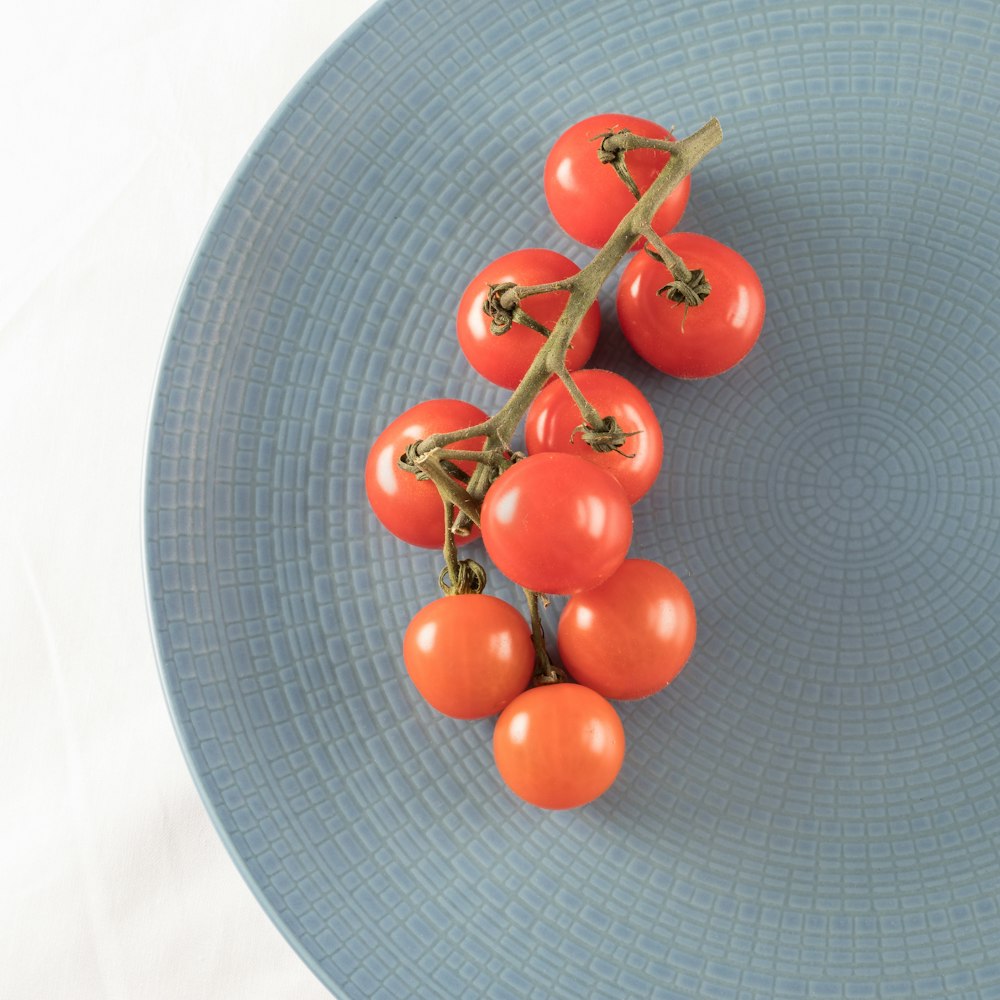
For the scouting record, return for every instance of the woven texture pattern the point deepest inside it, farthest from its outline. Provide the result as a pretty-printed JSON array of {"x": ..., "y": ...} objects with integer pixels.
[{"x": 811, "y": 809}]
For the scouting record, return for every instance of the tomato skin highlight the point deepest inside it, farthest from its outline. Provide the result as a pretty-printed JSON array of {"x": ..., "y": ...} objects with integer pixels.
[
  {"x": 559, "y": 746},
  {"x": 587, "y": 198},
  {"x": 469, "y": 655},
  {"x": 698, "y": 341},
  {"x": 632, "y": 635},
  {"x": 553, "y": 418},
  {"x": 504, "y": 359},
  {"x": 556, "y": 523},
  {"x": 408, "y": 507}
]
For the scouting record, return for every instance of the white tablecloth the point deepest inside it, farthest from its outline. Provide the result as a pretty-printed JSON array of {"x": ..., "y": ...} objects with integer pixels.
[{"x": 122, "y": 123}]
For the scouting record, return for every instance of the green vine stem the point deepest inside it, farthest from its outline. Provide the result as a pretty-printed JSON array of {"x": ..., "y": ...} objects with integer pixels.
[
  {"x": 590, "y": 415},
  {"x": 583, "y": 288},
  {"x": 452, "y": 492},
  {"x": 546, "y": 672},
  {"x": 459, "y": 576},
  {"x": 450, "y": 550}
]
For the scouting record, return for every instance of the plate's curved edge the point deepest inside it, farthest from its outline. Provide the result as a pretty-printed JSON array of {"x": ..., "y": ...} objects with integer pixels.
[{"x": 152, "y": 414}]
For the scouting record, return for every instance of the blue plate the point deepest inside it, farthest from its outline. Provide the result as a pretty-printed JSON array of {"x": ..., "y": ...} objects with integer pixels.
[{"x": 811, "y": 809}]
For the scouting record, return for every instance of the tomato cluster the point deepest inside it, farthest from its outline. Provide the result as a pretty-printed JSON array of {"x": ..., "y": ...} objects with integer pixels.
[{"x": 557, "y": 519}]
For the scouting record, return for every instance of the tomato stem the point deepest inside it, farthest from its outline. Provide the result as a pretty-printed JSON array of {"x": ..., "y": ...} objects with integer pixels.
[
  {"x": 623, "y": 140},
  {"x": 494, "y": 457},
  {"x": 613, "y": 153},
  {"x": 520, "y": 316},
  {"x": 687, "y": 286},
  {"x": 503, "y": 306},
  {"x": 450, "y": 550},
  {"x": 546, "y": 672},
  {"x": 459, "y": 576},
  {"x": 590, "y": 415},
  {"x": 450, "y": 490},
  {"x": 666, "y": 256},
  {"x": 511, "y": 296}
]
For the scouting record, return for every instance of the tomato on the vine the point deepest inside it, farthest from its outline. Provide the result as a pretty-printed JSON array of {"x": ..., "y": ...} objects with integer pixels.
[
  {"x": 631, "y": 635},
  {"x": 556, "y": 523},
  {"x": 409, "y": 507},
  {"x": 504, "y": 358},
  {"x": 559, "y": 746},
  {"x": 692, "y": 341},
  {"x": 469, "y": 655},
  {"x": 553, "y": 423},
  {"x": 587, "y": 198}
]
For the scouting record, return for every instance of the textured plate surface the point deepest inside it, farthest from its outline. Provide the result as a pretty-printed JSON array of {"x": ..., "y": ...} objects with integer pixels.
[{"x": 811, "y": 809}]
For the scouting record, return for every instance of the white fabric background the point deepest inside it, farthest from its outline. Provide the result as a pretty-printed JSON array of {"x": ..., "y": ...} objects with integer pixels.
[{"x": 122, "y": 123}]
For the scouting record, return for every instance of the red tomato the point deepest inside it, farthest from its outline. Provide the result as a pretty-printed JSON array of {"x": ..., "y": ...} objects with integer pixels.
[
  {"x": 588, "y": 198},
  {"x": 630, "y": 636},
  {"x": 559, "y": 746},
  {"x": 411, "y": 508},
  {"x": 504, "y": 359},
  {"x": 556, "y": 523},
  {"x": 469, "y": 655},
  {"x": 553, "y": 418},
  {"x": 696, "y": 341}
]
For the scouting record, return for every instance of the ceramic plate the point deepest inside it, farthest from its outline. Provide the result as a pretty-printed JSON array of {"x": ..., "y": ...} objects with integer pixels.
[{"x": 811, "y": 809}]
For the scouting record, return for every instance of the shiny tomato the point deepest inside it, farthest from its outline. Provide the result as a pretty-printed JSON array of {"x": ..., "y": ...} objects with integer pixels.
[
  {"x": 630, "y": 636},
  {"x": 559, "y": 746},
  {"x": 553, "y": 419},
  {"x": 588, "y": 198},
  {"x": 469, "y": 655},
  {"x": 556, "y": 523},
  {"x": 505, "y": 358},
  {"x": 696, "y": 341},
  {"x": 409, "y": 507}
]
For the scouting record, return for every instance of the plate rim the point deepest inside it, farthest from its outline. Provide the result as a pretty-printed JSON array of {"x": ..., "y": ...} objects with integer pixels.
[{"x": 154, "y": 412}]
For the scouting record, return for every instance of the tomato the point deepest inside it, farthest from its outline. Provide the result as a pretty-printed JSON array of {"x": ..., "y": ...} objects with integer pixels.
[
  {"x": 505, "y": 358},
  {"x": 553, "y": 419},
  {"x": 696, "y": 341},
  {"x": 559, "y": 746},
  {"x": 587, "y": 198},
  {"x": 630, "y": 636},
  {"x": 409, "y": 507},
  {"x": 556, "y": 523},
  {"x": 469, "y": 655}
]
